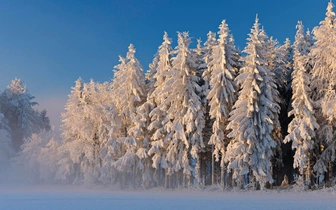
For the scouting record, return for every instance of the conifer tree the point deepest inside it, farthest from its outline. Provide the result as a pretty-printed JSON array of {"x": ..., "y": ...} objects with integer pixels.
[
  {"x": 323, "y": 87},
  {"x": 158, "y": 111},
  {"x": 17, "y": 106},
  {"x": 184, "y": 122},
  {"x": 130, "y": 92},
  {"x": 209, "y": 45},
  {"x": 253, "y": 118},
  {"x": 222, "y": 95},
  {"x": 84, "y": 142},
  {"x": 302, "y": 128}
]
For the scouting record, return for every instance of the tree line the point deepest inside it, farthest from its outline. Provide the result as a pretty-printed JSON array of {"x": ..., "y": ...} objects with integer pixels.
[{"x": 203, "y": 116}]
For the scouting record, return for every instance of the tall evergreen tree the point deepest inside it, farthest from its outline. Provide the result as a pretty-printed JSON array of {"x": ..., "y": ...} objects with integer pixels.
[
  {"x": 130, "y": 92},
  {"x": 252, "y": 120},
  {"x": 323, "y": 87},
  {"x": 158, "y": 109},
  {"x": 184, "y": 122},
  {"x": 223, "y": 69},
  {"x": 208, "y": 48},
  {"x": 302, "y": 128},
  {"x": 18, "y": 109}
]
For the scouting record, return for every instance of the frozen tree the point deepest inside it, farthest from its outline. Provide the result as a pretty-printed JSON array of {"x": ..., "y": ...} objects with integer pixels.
[
  {"x": 323, "y": 54},
  {"x": 279, "y": 61},
  {"x": 128, "y": 86},
  {"x": 254, "y": 115},
  {"x": 184, "y": 120},
  {"x": 323, "y": 88},
  {"x": 129, "y": 89},
  {"x": 86, "y": 142},
  {"x": 199, "y": 57},
  {"x": 141, "y": 135},
  {"x": 157, "y": 112},
  {"x": 302, "y": 128},
  {"x": 70, "y": 150},
  {"x": 223, "y": 69},
  {"x": 209, "y": 44},
  {"x": 17, "y": 108},
  {"x": 150, "y": 74}
]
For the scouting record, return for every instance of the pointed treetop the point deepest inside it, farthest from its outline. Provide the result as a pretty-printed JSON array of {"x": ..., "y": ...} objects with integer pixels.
[
  {"x": 17, "y": 86},
  {"x": 287, "y": 42},
  {"x": 199, "y": 45},
  {"x": 131, "y": 51},
  {"x": 330, "y": 8},
  {"x": 256, "y": 25},
  {"x": 330, "y": 15},
  {"x": 211, "y": 39},
  {"x": 166, "y": 38},
  {"x": 300, "y": 28},
  {"x": 223, "y": 28},
  {"x": 79, "y": 82},
  {"x": 183, "y": 39}
]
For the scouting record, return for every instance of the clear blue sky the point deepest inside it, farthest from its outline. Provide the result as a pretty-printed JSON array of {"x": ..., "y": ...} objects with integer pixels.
[{"x": 50, "y": 43}]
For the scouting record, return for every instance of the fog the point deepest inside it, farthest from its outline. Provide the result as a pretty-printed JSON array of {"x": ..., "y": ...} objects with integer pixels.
[
  {"x": 17, "y": 192},
  {"x": 76, "y": 197}
]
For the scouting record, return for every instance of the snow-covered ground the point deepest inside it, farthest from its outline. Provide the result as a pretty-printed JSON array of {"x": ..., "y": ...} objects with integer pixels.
[{"x": 64, "y": 198}]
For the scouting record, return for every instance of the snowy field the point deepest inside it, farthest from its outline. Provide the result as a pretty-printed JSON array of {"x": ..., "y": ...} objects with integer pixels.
[{"x": 63, "y": 198}]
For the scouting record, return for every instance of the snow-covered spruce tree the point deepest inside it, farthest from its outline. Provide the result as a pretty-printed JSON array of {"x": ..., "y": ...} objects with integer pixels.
[
  {"x": 17, "y": 108},
  {"x": 284, "y": 67},
  {"x": 208, "y": 48},
  {"x": 185, "y": 121},
  {"x": 323, "y": 54},
  {"x": 323, "y": 87},
  {"x": 277, "y": 62},
  {"x": 275, "y": 65},
  {"x": 223, "y": 69},
  {"x": 71, "y": 150},
  {"x": 82, "y": 154},
  {"x": 158, "y": 111},
  {"x": 301, "y": 130},
  {"x": 199, "y": 56},
  {"x": 150, "y": 79},
  {"x": 129, "y": 89},
  {"x": 253, "y": 118},
  {"x": 207, "y": 157}
]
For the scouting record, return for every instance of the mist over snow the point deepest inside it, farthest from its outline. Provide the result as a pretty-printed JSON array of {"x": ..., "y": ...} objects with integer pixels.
[{"x": 204, "y": 125}]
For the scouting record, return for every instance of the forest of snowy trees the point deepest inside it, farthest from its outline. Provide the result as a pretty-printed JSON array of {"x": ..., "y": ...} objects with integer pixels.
[{"x": 212, "y": 115}]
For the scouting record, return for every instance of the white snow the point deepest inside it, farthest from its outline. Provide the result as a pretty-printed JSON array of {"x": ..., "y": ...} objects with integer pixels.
[{"x": 77, "y": 198}]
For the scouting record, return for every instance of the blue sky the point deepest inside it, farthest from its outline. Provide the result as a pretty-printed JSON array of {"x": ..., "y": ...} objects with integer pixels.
[{"x": 49, "y": 44}]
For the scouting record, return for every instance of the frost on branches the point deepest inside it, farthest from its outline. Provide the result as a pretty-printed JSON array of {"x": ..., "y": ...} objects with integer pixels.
[
  {"x": 223, "y": 67},
  {"x": 302, "y": 128},
  {"x": 254, "y": 114},
  {"x": 129, "y": 88},
  {"x": 324, "y": 87},
  {"x": 22, "y": 119},
  {"x": 158, "y": 110},
  {"x": 91, "y": 141},
  {"x": 184, "y": 115}
]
